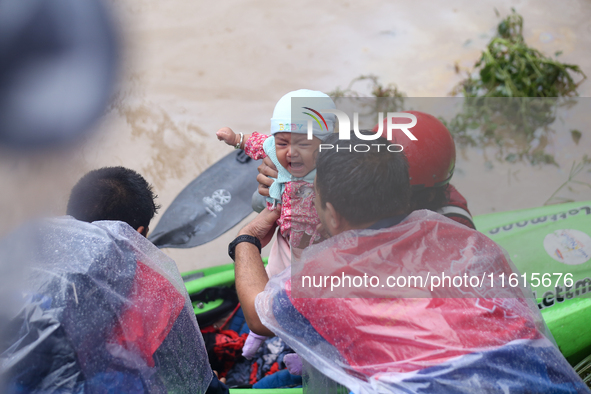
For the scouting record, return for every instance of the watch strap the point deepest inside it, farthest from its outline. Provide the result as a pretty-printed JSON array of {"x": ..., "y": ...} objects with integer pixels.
[{"x": 242, "y": 238}]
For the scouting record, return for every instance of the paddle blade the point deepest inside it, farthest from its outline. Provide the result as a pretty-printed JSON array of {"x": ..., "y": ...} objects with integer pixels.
[{"x": 210, "y": 205}]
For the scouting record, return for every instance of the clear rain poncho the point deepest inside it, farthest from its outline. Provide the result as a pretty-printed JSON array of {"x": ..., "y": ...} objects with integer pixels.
[
  {"x": 390, "y": 337},
  {"x": 103, "y": 311}
]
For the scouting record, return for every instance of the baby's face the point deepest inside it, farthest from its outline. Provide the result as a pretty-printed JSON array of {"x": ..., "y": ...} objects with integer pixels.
[{"x": 296, "y": 153}]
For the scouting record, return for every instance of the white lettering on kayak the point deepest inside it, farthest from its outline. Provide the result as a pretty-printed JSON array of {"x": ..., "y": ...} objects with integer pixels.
[{"x": 542, "y": 219}]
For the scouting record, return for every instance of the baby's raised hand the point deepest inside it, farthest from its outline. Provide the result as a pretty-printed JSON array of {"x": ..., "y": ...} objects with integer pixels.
[{"x": 227, "y": 135}]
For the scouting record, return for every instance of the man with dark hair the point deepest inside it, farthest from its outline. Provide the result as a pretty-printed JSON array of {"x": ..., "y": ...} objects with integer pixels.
[
  {"x": 114, "y": 193},
  {"x": 107, "y": 312},
  {"x": 119, "y": 193},
  {"x": 363, "y": 308},
  {"x": 376, "y": 181}
]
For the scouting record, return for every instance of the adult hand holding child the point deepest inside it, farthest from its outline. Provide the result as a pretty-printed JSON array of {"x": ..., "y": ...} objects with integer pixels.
[{"x": 267, "y": 170}]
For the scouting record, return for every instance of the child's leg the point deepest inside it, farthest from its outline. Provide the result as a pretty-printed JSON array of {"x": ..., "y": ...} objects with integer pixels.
[
  {"x": 293, "y": 362},
  {"x": 252, "y": 344},
  {"x": 279, "y": 256}
]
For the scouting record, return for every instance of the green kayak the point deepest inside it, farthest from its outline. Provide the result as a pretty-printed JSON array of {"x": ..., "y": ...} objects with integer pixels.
[{"x": 551, "y": 246}]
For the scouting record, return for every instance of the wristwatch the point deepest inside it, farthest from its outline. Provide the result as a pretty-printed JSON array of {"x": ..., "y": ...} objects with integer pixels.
[{"x": 242, "y": 238}]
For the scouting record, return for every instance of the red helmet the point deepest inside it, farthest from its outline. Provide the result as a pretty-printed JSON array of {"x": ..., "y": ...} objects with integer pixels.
[{"x": 432, "y": 157}]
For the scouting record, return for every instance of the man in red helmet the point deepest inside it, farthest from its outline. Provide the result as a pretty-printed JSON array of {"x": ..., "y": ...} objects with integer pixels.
[{"x": 431, "y": 162}]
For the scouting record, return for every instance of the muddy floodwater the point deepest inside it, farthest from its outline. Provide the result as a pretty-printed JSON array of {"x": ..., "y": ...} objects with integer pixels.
[{"x": 190, "y": 68}]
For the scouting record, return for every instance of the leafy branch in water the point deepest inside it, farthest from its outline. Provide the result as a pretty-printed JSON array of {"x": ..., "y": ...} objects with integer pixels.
[
  {"x": 574, "y": 171},
  {"x": 512, "y": 97},
  {"x": 508, "y": 67}
]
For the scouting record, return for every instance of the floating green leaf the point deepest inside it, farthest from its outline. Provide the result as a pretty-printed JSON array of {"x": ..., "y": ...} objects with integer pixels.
[{"x": 576, "y": 135}]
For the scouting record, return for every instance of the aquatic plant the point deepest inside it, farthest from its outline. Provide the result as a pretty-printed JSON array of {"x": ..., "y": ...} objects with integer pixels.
[
  {"x": 377, "y": 89},
  {"x": 386, "y": 98},
  {"x": 512, "y": 96},
  {"x": 508, "y": 67}
]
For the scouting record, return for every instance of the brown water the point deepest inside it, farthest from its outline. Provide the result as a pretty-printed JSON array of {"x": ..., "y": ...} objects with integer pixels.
[{"x": 193, "y": 67}]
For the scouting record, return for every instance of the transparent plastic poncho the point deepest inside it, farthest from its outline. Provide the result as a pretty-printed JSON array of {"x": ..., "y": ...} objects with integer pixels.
[
  {"x": 488, "y": 338},
  {"x": 103, "y": 311}
]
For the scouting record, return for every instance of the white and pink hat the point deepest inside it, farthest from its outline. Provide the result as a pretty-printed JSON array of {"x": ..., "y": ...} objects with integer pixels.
[{"x": 308, "y": 106}]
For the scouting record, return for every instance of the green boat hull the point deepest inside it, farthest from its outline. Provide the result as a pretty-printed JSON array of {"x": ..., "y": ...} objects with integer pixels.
[{"x": 529, "y": 236}]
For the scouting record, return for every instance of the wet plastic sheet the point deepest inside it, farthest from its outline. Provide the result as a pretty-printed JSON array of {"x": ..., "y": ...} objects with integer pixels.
[
  {"x": 104, "y": 311},
  {"x": 444, "y": 342}
]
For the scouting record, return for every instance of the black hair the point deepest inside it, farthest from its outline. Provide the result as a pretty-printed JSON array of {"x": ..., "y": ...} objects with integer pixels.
[
  {"x": 363, "y": 187},
  {"x": 431, "y": 198},
  {"x": 113, "y": 193}
]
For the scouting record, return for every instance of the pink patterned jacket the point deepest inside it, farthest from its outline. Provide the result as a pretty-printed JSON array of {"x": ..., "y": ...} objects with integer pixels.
[{"x": 298, "y": 214}]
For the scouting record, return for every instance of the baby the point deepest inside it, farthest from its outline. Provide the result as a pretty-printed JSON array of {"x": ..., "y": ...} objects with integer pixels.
[{"x": 294, "y": 155}]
